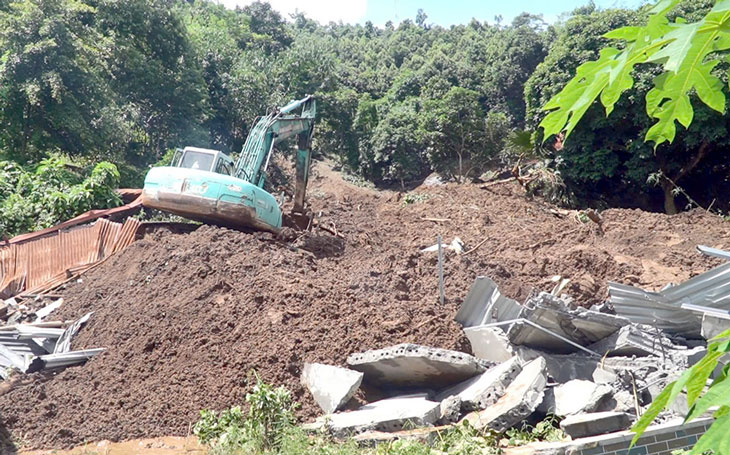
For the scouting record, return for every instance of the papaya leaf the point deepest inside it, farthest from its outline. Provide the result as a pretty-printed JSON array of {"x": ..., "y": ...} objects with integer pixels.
[
  {"x": 609, "y": 76},
  {"x": 717, "y": 395},
  {"x": 721, "y": 336},
  {"x": 715, "y": 439},
  {"x": 700, "y": 372},
  {"x": 659, "y": 403},
  {"x": 682, "y": 48}
]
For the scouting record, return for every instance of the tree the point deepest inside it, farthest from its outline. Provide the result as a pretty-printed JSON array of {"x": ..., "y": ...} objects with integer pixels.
[
  {"x": 421, "y": 17},
  {"x": 603, "y": 161},
  {"x": 268, "y": 27},
  {"x": 688, "y": 53},
  {"x": 395, "y": 151},
  {"x": 456, "y": 133},
  {"x": 53, "y": 89}
]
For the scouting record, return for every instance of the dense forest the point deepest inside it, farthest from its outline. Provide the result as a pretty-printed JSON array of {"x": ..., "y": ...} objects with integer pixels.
[{"x": 93, "y": 92}]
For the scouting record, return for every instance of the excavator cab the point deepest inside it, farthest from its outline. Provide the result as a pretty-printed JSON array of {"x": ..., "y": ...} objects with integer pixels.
[{"x": 204, "y": 160}]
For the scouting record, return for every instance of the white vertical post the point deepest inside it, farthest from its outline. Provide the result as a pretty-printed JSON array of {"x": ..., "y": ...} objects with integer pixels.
[{"x": 441, "y": 271}]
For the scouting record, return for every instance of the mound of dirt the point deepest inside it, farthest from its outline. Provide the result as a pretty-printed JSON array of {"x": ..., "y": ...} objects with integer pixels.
[{"x": 186, "y": 317}]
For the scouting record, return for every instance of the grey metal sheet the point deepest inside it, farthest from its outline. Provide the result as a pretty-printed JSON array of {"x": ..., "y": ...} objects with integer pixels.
[
  {"x": 714, "y": 252},
  {"x": 485, "y": 304},
  {"x": 664, "y": 308}
]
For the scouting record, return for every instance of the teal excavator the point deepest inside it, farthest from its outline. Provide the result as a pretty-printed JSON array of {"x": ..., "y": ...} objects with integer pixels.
[{"x": 206, "y": 185}]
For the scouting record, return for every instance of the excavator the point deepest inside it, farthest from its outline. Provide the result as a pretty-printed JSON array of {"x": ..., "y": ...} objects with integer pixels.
[{"x": 207, "y": 186}]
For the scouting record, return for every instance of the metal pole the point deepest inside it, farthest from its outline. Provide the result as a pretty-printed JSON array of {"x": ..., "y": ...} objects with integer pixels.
[{"x": 441, "y": 271}]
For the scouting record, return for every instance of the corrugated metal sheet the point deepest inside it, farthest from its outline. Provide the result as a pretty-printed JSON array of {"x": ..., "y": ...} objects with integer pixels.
[
  {"x": 43, "y": 263},
  {"x": 120, "y": 212},
  {"x": 664, "y": 308},
  {"x": 485, "y": 304}
]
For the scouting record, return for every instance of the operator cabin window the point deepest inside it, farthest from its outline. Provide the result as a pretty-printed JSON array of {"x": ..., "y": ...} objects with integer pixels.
[
  {"x": 223, "y": 167},
  {"x": 198, "y": 160}
]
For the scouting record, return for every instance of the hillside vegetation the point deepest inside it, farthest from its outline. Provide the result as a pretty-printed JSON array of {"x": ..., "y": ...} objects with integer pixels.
[{"x": 87, "y": 81}]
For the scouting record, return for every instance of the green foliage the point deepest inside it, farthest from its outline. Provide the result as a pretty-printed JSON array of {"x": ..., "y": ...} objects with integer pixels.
[
  {"x": 456, "y": 133},
  {"x": 685, "y": 51},
  {"x": 693, "y": 382},
  {"x": 415, "y": 198},
  {"x": 55, "y": 191},
  {"x": 545, "y": 430},
  {"x": 268, "y": 423}
]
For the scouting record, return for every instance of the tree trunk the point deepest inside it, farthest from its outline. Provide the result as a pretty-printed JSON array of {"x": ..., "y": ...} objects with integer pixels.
[
  {"x": 670, "y": 207},
  {"x": 461, "y": 168}
]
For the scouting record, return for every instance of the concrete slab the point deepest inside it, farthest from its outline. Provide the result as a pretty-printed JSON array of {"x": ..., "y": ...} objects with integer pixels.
[
  {"x": 489, "y": 343},
  {"x": 385, "y": 415},
  {"x": 484, "y": 390},
  {"x": 427, "y": 435},
  {"x": 633, "y": 340},
  {"x": 592, "y": 424},
  {"x": 579, "y": 325},
  {"x": 412, "y": 366},
  {"x": 712, "y": 326},
  {"x": 576, "y": 397},
  {"x": 330, "y": 386},
  {"x": 520, "y": 400}
]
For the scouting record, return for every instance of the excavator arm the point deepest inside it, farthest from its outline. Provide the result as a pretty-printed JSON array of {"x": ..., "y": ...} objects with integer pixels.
[{"x": 269, "y": 131}]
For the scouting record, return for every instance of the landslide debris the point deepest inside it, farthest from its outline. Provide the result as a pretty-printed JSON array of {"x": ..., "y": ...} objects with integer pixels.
[{"x": 186, "y": 317}]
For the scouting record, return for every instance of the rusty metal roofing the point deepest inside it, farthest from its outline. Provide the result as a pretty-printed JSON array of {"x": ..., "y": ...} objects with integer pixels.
[
  {"x": 86, "y": 217},
  {"x": 40, "y": 264}
]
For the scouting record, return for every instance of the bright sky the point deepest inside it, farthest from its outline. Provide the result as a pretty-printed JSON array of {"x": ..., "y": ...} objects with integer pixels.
[{"x": 442, "y": 12}]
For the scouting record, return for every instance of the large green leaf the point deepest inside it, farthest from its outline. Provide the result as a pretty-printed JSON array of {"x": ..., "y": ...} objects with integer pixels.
[
  {"x": 683, "y": 49},
  {"x": 717, "y": 395},
  {"x": 659, "y": 403},
  {"x": 715, "y": 439}
]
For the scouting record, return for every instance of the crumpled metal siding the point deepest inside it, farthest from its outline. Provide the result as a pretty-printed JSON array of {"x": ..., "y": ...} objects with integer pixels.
[
  {"x": 664, "y": 308},
  {"x": 45, "y": 262},
  {"x": 485, "y": 304}
]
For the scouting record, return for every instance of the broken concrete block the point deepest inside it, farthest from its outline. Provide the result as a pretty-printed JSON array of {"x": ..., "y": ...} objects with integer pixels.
[
  {"x": 603, "y": 375},
  {"x": 712, "y": 326},
  {"x": 520, "y": 400},
  {"x": 583, "y": 425},
  {"x": 411, "y": 365},
  {"x": 450, "y": 410},
  {"x": 575, "y": 397},
  {"x": 485, "y": 304},
  {"x": 330, "y": 386},
  {"x": 484, "y": 390},
  {"x": 489, "y": 343},
  {"x": 578, "y": 325},
  {"x": 563, "y": 367},
  {"x": 427, "y": 435},
  {"x": 385, "y": 415},
  {"x": 633, "y": 340}
]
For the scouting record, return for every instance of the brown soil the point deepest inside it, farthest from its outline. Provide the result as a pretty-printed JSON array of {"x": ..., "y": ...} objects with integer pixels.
[{"x": 186, "y": 317}]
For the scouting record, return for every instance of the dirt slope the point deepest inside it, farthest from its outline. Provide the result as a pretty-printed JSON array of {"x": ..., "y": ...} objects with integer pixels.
[{"x": 186, "y": 317}]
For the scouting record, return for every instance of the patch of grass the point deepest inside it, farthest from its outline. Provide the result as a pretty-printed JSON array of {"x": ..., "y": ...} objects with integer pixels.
[
  {"x": 269, "y": 429},
  {"x": 415, "y": 198},
  {"x": 264, "y": 430},
  {"x": 547, "y": 430},
  {"x": 357, "y": 180}
]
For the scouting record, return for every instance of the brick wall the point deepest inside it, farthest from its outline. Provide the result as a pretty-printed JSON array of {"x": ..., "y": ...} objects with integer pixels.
[{"x": 656, "y": 440}]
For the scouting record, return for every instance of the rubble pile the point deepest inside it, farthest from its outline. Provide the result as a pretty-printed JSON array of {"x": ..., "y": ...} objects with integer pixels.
[
  {"x": 594, "y": 369},
  {"x": 190, "y": 315}
]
